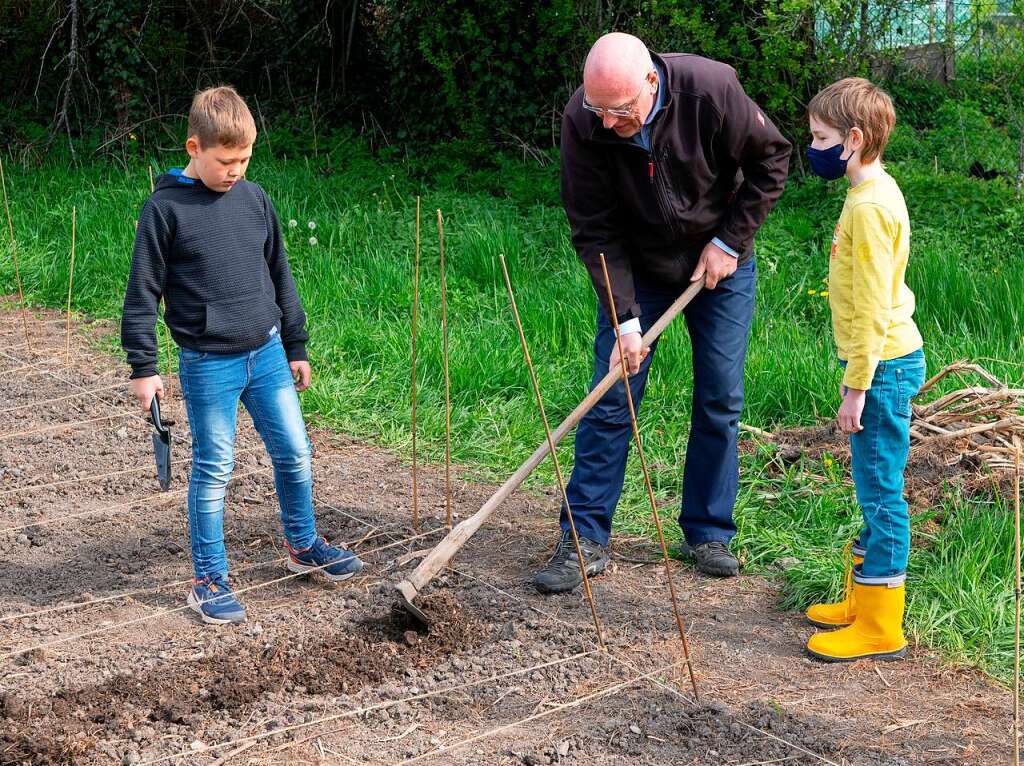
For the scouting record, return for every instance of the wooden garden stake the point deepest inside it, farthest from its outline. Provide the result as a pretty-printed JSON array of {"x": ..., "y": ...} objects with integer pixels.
[
  {"x": 415, "y": 311},
  {"x": 647, "y": 481},
  {"x": 554, "y": 455},
  {"x": 14, "y": 257},
  {"x": 1017, "y": 598},
  {"x": 71, "y": 281},
  {"x": 151, "y": 186},
  {"x": 447, "y": 379}
]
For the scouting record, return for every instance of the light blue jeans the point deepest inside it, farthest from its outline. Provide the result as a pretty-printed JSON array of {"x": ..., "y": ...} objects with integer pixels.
[
  {"x": 212, "y": 385},
  {"x": 879, "y": 457}
]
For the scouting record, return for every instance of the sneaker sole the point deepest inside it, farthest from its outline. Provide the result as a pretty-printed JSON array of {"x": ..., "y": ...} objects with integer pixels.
[
  {"x": 592, "y": 571},
  {"x": 883, "y": 656},
  {"x": 299, "y": 568},
  {"x": 194, "y": 605}
]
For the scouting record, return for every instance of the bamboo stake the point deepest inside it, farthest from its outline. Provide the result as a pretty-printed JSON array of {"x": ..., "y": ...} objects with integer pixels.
[
  {"x": 415, "y": 310},
  {"x": 554, "y": 455},
  {"x": 151, "y": 186},
  {"x": 447, "y": 379},
  {"x": 71, "y": 280},
  {"x": 14, "y": 257},
  {"x": 1017, "y": 596},
  {"x": 647, "y": 481}
]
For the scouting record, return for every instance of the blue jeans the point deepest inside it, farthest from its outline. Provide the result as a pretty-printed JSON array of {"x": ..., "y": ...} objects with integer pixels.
[
  {"x": 718, "y": 322},
  {"x": 879, "y": 456},
  {"x": 212, "y": 385}
]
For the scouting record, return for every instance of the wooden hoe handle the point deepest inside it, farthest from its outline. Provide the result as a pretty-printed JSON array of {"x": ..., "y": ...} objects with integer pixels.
[{"x": 445, "y": 550}]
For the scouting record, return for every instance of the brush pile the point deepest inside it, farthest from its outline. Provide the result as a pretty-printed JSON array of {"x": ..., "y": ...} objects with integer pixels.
[
  {"x": 975, "y": 424},
  {"x": 962, "y": 440}
]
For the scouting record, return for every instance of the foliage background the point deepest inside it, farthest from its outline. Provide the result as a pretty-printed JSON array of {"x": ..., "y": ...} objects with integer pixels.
[{"x": 408, "y": 74}]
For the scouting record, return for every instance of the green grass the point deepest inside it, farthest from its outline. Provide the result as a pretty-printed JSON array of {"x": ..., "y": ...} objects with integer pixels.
[{"x": 966, "y": 270}]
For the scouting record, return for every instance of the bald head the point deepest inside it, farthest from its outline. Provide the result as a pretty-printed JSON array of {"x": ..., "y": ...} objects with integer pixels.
[
  {"x": 616, "y": 64},
  {"x": 619, "y": 75}
]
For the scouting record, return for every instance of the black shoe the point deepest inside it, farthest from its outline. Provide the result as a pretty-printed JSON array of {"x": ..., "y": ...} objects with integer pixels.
[
  {"x": 712, "y": 558},
  {"x": 562, "y": 572}
]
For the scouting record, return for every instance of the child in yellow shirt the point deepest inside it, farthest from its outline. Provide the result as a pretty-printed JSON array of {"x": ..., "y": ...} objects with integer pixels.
[{"x": 880, "y": 350}]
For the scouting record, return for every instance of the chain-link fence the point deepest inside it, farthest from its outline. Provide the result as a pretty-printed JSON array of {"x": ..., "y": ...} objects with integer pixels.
[
  {"x": 908, "y": 29},
  {"x": 975, "y": 46}
]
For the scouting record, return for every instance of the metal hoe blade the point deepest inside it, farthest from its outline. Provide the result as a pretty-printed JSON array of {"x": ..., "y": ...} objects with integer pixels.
[{"x": 406, "y": 593}]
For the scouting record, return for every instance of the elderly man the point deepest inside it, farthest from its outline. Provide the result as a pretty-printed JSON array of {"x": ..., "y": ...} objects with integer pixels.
[{"x": 669, "y": 169}]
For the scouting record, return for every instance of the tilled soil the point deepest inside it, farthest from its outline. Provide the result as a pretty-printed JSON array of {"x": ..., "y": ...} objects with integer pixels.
[{"x": 100, "y": 662}]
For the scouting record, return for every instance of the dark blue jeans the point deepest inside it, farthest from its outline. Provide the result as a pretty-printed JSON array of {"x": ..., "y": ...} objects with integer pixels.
[{"x": 718, "y": 322}]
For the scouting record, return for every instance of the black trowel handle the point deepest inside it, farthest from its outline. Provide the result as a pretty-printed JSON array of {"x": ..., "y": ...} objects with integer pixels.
[{"x": 154, "y": 411}]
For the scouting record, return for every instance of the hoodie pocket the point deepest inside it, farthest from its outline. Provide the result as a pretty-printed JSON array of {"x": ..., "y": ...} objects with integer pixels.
[{"x": 241, "y": 321}]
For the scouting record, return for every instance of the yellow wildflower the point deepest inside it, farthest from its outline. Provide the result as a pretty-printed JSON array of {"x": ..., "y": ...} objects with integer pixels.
[{"x": 812, "y": 292}]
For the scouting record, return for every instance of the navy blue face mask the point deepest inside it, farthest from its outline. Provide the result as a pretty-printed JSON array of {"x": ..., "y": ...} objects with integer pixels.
[{"x": 828, "y": 163}]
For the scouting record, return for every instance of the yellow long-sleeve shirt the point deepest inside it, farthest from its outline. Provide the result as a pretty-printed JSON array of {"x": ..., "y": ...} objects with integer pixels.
[{"x": 872, "y": 307}]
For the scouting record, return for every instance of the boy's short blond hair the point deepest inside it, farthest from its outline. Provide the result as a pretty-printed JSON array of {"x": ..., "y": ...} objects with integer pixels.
[
  {"x": 220, "y": 116},
  {"x": 856, "y": 102}
]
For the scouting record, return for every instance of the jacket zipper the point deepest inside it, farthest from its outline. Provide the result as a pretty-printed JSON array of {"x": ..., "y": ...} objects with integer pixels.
[{"x": 650, "y": 178}]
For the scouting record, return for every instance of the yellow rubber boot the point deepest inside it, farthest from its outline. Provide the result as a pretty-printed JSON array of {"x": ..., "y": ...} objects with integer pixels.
[
  {"x": 876, "y": 631},
  {"x": 842, "y": 612}
]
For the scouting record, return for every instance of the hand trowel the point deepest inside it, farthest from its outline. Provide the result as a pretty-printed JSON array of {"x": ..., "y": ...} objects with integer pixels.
[{"x": 161, "y": 444}]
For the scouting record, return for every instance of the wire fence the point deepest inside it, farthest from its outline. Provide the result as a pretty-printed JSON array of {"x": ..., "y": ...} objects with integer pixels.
[
  {"x": 930, "y": 36},
  {"x": 975, "y": 47},
  {"x": 896, "y": 24}
]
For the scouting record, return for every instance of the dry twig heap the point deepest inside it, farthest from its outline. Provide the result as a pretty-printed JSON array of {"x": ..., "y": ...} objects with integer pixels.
[{"x": 974, "y": 425}]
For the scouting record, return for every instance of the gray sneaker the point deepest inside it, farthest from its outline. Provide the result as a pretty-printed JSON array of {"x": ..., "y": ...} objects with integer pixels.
[
  {"x": 712, "y": 558},
  {"x": 562, "y": 572}
]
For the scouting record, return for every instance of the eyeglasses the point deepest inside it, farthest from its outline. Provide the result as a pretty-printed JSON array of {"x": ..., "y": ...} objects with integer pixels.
[{"x": 622, "y": 111}]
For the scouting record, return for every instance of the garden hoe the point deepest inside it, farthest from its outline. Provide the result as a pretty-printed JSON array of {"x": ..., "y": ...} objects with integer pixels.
[{"x": 438, "y": 558}]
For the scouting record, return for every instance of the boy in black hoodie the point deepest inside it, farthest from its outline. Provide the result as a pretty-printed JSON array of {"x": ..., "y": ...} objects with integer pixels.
[{"x": 209, "y": 243}]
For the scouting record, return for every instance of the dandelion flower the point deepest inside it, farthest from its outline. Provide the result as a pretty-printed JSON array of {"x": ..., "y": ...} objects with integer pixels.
[
  {"x": 312, "y": 241},
  {"x": 828, "y": 462},
  {"x": 824, "y": 293},
  {"x": 312, "y": 225},
  {"x": 812, "y": 292},
  {"x": 292, "y": 223}
]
